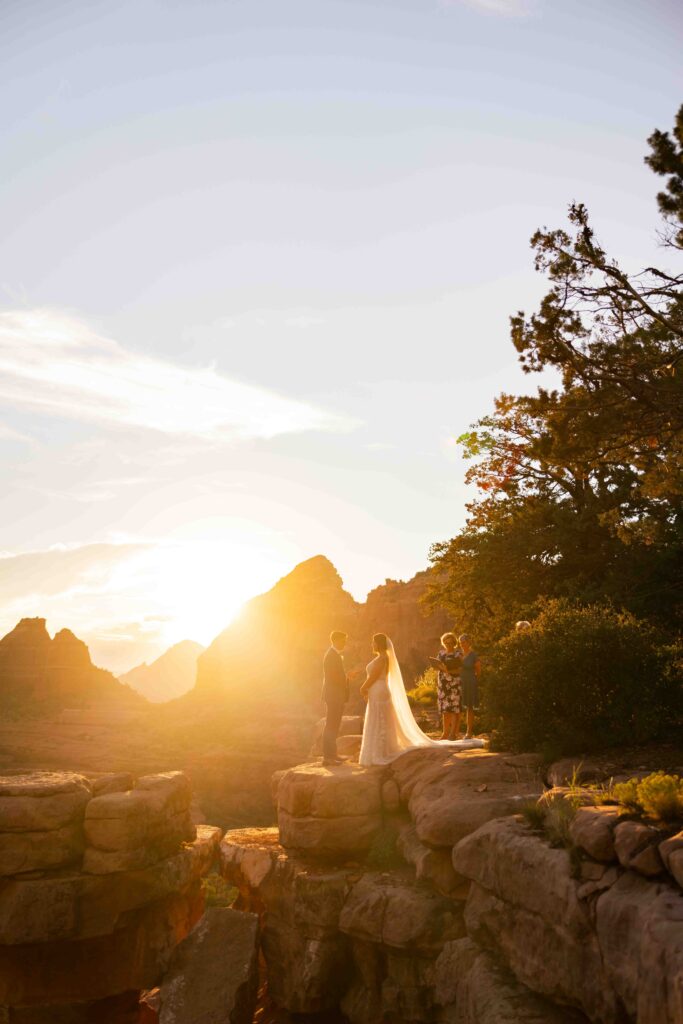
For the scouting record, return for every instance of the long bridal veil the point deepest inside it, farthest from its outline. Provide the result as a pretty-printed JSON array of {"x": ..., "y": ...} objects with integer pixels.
[{"x": 409, "y": 732}]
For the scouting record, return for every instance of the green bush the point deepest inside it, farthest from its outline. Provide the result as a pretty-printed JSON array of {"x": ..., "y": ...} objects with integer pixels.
[
  {"x": 658, "y": 796},
  {"x": 582, "y": 679},
  {"x": 218, "y": 892},
  {"x": 424, "y": 691}
]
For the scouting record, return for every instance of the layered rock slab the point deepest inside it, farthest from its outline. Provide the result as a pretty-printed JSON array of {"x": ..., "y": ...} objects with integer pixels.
[
  {"x": 449, "y": 795},
  {"x": 307, "y": 957},
  {"x": 328, "y": 812},
  {"x": 524, "y": 904},
  {"x": 471, "y": 987},
  {"x": 212, "y": 977}
]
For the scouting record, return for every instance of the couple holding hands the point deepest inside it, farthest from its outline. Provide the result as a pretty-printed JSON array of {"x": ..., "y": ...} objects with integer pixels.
[{"x": 390, "y": 728}]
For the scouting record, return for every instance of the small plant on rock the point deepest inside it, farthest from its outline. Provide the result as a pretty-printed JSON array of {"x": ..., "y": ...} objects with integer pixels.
[
  {"x": 533, "y": 813},
  {"x": 658, "y": 796}
]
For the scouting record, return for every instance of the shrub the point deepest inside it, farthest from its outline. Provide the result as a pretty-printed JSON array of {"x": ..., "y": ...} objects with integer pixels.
[
  {"x": 533, "y": 813},
  {"x": 218, "y": 892},
  {"x": 582, "y": 679},
  {"x": 424, "y": 691},
  {"x": 658, "y": 796}
]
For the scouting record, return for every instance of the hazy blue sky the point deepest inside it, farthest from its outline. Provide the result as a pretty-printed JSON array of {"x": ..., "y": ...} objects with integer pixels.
[{"x": 256, "y": 266}]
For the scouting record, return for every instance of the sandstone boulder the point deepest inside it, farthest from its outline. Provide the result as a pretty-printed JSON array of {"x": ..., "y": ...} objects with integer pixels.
[
  {"x": 164, "y": 794},
  {"x": 671, "y": 852},
  {"x": 387, "y": 909},
  {"x": 473, "y": 988},
  {"x": 635, "y": 847},
  {"x": 524, "y": 905},
  {"x": 391, "y": 797},
  {"x": 129, "y": 831},
  {"x": 339, "y": 792},
  {"x": 247, "y": 857},
  {"x": 451, "y": 795},
  {"x": 306, "y": 955},
  {"x": 593, "y": 830},
  {"x": 110, "y": 782},
  {"x": 213, "y": 973},
  {"x": 639, "y": 925},
  {"x": 72, "y": 905},
  {"x": 431, "y": 865},
  {"x": 40, "y": 851},
  {"x": 42, "y": 801},
  {"x": 328, "y": 837},
  {"x": 329, "y": 811},
  {"x": 132, "y": 957}
]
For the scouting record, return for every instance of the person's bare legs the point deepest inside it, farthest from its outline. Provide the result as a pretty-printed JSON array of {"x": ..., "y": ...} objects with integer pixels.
[
  {"x": 470, "y": 724},
  {"x": 447, "y": 725},
  {"x": 454, "y": 734}
]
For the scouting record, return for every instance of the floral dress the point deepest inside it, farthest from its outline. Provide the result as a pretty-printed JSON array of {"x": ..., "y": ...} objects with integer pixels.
[{"x": 448, "y": 688}]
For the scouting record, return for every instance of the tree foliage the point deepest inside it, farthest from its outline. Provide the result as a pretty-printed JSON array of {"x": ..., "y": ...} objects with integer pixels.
[{"x": 580, "y": 486}]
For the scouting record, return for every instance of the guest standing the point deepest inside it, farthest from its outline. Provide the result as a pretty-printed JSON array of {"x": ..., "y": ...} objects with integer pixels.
[
  {"x": 469, "y": 677},
  {"x": 448, "y": 686}
]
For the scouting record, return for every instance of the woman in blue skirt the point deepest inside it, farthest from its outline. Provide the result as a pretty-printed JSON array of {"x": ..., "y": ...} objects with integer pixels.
[{"x": 469, "y": 681}]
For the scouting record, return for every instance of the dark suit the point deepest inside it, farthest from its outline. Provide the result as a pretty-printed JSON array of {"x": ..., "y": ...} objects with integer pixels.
[{"x": 335, "y": 694}]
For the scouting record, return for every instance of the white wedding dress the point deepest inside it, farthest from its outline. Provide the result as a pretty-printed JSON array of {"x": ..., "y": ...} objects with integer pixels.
[{"x": 390, "y": 728}]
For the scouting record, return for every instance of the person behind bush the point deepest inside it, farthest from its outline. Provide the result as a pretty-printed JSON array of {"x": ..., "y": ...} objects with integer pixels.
[
  {"x": 448, "y": 694},
  {"x": 469, "y": 680}
]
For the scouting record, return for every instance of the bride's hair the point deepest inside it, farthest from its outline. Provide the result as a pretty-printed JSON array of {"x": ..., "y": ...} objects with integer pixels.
[{"x": 379, "y": 643}]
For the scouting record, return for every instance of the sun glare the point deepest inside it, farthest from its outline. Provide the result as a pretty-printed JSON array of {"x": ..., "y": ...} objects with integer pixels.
[{"x": 200, "y": 586}]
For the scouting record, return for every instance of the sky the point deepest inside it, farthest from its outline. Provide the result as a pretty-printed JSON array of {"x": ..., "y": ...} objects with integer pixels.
[{"x": 257, "y": 261}]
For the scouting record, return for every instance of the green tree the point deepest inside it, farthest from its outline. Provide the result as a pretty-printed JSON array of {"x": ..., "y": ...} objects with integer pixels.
[{"x": 581, "y": 486}]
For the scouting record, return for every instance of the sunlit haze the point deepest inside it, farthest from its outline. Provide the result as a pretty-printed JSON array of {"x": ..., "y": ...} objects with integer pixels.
[{"x": 257, "y": 261}]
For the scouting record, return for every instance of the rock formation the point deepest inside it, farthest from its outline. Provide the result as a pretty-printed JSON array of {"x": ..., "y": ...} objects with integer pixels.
[
  {"x": 37, "y": 672},
  {"x": 99, "y": 880},
  {"x": 273, "y": 650},
  {"x": 170, "y": 676},
  {"x": 473, "y": 918}
]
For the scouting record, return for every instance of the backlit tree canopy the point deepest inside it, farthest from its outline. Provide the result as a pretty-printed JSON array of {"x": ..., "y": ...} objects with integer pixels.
[{"x": 581, "y": 486}]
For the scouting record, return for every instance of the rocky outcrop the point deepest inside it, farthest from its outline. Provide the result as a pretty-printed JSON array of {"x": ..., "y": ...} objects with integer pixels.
[
  {"x": 357, "y": 909},
  {"x": 445, "y": 908},
  {"x": 38, "y": 672},
  {"x": 169, "y": 676},
  {"x": 98, "y": 884},
  {"x": 605, "y": 940},
  {"x": 329, "y": 813}
]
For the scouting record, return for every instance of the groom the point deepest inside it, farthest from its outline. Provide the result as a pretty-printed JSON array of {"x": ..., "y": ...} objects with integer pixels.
[{"x": 335, "y": 695}]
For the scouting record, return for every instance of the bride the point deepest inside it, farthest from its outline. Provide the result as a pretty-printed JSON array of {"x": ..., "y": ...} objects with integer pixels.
[{"x": 390, "y": 728}]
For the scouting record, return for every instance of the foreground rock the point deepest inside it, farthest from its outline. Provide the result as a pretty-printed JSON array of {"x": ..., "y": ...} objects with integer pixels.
[
  {"x": 340, "y": 933},
  {"x": 72, "y": 932},
  {"x": 329, "y": 812},
  {"x": 474, "y": 988},
  {"x": 452, "y": 914},
  {"x": 213, "y": 973},
  {"x": 450, "y": 795},
  {"x": 612, "y": 948}
]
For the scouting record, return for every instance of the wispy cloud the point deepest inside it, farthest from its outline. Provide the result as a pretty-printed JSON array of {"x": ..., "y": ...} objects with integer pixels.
[
  {"x": 57, "y": 364},
  {"x": 39, "y": 574},
  {"x": 504, "y": 8}
]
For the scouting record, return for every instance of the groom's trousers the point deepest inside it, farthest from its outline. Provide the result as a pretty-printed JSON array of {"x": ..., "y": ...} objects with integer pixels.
[{"x": 335, "y": 710}]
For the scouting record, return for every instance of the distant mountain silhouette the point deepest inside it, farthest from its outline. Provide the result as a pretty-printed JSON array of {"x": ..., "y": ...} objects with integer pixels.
[
  {"x": 171, "y": 675},
  {"x": 37, "y": 670},
  {"x": 271, "y": 654}
]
